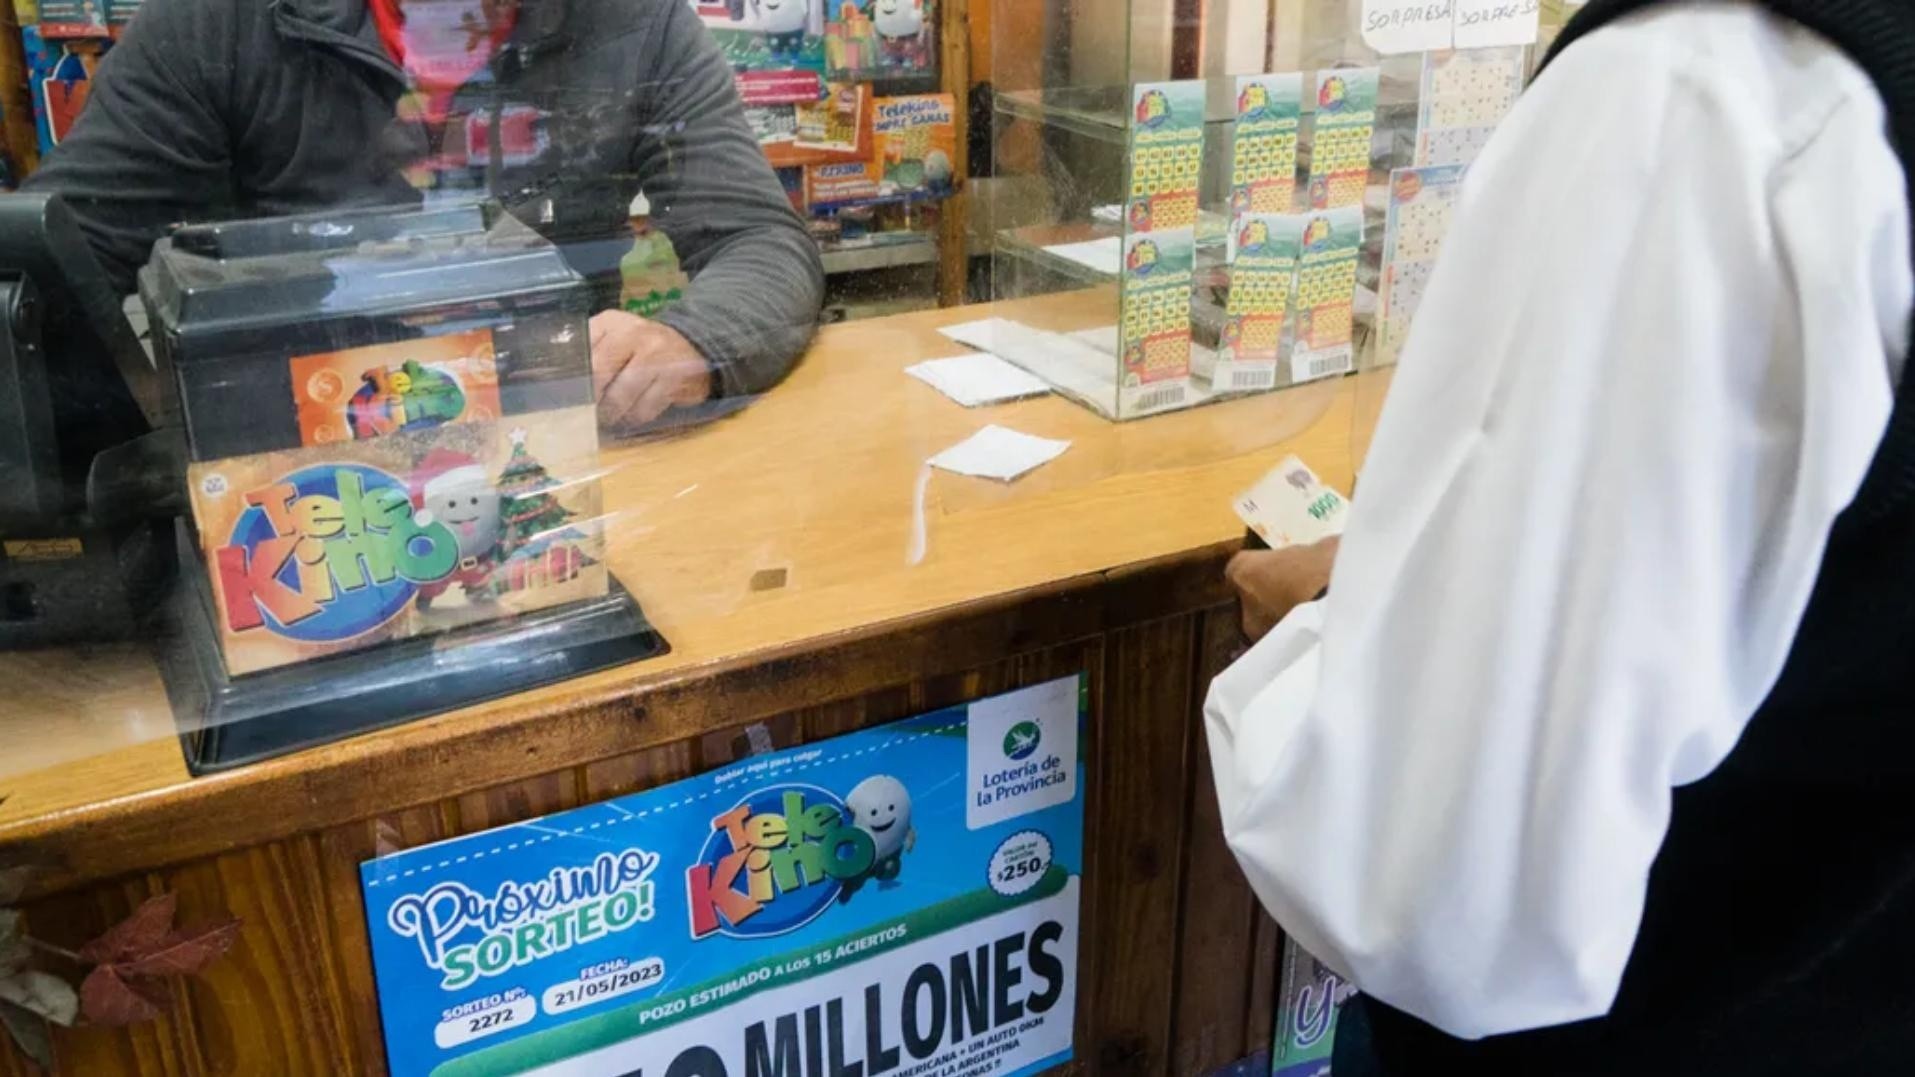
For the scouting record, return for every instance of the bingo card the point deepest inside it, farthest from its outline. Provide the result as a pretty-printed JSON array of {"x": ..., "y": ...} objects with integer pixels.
[
  {"x": 1421, "y": 200},
  {"x": 1464, "y": 95}
]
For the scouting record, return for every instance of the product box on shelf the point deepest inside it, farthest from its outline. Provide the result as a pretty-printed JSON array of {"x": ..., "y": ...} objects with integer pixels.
[
  {"x": 912, "y": 158},
  {"x": 872, "y": 39},
  {"x": 389, "y": 426},
  {"x": 777, "y": 49}
]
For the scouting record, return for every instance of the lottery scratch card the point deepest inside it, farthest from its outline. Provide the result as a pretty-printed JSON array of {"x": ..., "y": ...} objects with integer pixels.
[
  {"x": 1464, "y": 95},
  {"x": 1421, "y": 201},
  {"x": 1160, "y": 245},
  {"x": 1154, "y": 326},
  {"x": 1166, "y": 155},
  {"x": 1326, "y": 294},
  {"x": 1263, "y": 153},
  {"x": 1340, "y": 146},
  {"x": 407, "y": 387},
  {"x": 1261, "y": 278}
]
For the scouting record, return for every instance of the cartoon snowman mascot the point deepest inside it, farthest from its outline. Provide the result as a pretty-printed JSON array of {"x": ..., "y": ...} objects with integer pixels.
[
  {"x": 783, "y": 23},
  {"x": 881, "y": 807},
  {"x": 900, "y": 25},
  {"x": 453, "y": 489}
]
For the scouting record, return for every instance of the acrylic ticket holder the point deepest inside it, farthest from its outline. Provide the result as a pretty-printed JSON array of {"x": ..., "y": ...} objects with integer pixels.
[{"x": 392, "y": 473}]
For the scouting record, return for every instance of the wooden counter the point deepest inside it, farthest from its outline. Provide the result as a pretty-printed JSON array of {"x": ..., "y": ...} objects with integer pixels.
[{"x": 812, "y": 577}]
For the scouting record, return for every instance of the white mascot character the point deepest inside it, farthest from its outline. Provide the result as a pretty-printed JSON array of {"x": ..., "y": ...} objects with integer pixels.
[
  {"x": 783, "y": 23},
  {"x": 900, "y": 25},
  {"x": 881, "y": 807},
  {"x": 453, "y": 489}
]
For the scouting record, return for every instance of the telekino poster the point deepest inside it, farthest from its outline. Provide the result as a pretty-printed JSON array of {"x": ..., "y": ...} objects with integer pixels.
[{"x": 898, "y": 901}]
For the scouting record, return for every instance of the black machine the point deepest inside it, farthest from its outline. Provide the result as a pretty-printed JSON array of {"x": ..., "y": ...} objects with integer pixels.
[
  {"x": 97, "y": 441},
  {"x": 89, "y": 474}
]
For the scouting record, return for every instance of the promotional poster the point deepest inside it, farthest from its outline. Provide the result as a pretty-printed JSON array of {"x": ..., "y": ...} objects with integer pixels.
[
  {"x": 346, "y": 544},
  {"x": 408, "y": 386},
  {"x": 899, "y": 900},
  {"x": 1309, "y": 997},
  {"x": 914, "y": 146}
]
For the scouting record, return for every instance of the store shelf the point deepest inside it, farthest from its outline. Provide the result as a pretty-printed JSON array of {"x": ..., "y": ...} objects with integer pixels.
[
  {"x": 1035, "y": 244},
  {"x": 879, "y": 252},
  {"x": 1103, "y": 112}
]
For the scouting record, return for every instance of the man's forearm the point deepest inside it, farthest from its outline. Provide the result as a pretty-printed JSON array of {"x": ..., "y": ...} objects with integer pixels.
[
  {"x": 753, "y": 307},
  {"x": 757, "y": 279}
]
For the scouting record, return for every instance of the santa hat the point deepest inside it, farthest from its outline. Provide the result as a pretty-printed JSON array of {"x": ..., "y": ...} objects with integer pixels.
[{"x": 442, "y": 471}]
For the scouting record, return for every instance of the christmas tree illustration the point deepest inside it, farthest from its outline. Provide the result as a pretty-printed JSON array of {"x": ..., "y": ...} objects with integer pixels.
[{"x": 533, "y": 517}]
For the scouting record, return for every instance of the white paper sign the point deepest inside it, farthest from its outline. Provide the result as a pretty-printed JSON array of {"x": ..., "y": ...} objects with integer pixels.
[
  {"x": 978, "y": 379},
  {"x": 1021, "y": 753},
  {"x": 1488, "y": 24},
  {"x": 1398, "y": 26},
  {"x": 1000, "y": 453}
]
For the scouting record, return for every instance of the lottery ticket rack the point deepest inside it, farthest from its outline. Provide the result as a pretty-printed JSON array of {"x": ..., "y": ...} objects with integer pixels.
[{"x": 1238, "y": 220}]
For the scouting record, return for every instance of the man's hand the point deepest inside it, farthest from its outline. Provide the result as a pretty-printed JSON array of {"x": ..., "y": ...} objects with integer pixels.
[
  {"x": 640, "y": 368},
  {"x": 1271, "y": 583}
]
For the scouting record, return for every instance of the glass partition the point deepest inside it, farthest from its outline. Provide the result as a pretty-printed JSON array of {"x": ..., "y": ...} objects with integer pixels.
[{"x": 451, "y": 353}]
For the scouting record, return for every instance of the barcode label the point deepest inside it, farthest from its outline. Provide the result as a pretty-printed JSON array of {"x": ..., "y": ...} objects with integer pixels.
[
  {"x": 1158, "y": 399},
  {"x": 1309, "y": 366},
  {"x": 1260, "y": 378}
]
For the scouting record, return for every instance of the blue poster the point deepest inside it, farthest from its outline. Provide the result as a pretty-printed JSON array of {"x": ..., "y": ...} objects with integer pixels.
[{"x": 902, "y": 900}]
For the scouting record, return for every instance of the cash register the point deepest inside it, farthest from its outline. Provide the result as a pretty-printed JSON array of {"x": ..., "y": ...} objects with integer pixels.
[{"x": 85, "y": 497}]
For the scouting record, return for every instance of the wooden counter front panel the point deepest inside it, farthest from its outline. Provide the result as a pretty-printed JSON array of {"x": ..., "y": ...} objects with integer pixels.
[{"x": 1176, "y": 961}]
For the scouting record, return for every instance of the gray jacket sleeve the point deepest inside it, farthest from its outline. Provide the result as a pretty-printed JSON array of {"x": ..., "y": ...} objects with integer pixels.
[
  {"x": 757, "y": 281},
  {"x": 150, "y": 148}
]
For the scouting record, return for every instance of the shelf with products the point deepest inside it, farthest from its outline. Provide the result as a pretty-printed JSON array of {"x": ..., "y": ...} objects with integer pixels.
[
  {"x": 854, "y": 105},
  {"x": 1104, "y": 112},
  {"x": 881, "y": 251}
]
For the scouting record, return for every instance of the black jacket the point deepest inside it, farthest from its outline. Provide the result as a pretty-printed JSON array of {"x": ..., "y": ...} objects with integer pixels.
[{"x": 246, "y": 108}]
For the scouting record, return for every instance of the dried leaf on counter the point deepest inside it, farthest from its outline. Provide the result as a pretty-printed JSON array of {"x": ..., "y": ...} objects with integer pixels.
[
  {"x": 106, "y": 998},
  {"x": 183, "y": 953},
  {"x": 138, "y": 934}
]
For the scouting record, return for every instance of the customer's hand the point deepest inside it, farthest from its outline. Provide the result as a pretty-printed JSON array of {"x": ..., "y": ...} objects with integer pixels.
[
  {"x": 640, "y": 368},
  {"x": 1271, "y": 583}
]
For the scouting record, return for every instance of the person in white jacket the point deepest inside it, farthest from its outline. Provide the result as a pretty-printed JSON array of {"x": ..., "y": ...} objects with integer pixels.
[{"x": 1655, "y": 363}]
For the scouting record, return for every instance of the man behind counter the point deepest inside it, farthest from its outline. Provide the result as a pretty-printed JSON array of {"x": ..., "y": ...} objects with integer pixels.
[{"x": 561, "y": 109}]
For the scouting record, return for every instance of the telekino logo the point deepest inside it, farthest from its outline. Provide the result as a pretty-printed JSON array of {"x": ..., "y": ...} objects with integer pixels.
[{"x": 1029, "y": 772}]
